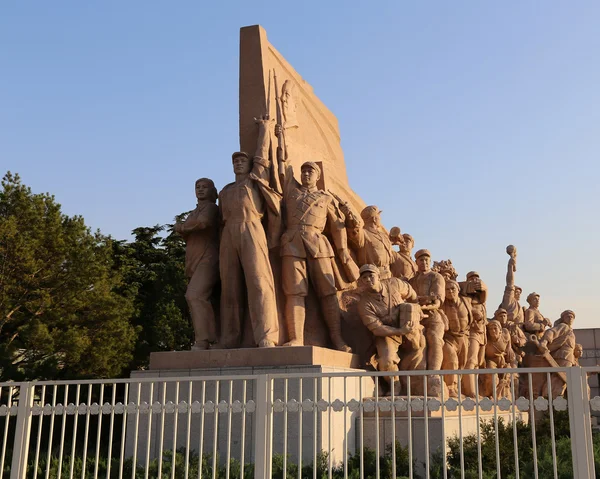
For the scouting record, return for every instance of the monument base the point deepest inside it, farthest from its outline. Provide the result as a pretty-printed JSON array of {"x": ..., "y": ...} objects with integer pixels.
[{"x": 253, "y": 357}]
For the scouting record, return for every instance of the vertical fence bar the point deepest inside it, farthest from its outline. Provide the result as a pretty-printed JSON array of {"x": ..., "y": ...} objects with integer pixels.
[
  {"x": 285, "y": 426},
  {"x": 426, "y": 427},
  {"x": 477, "y": 406},
  {"x": 175, "y": 424},
  {"x": 329, "y": 428},
  {"x": 514, "y": 416},
  {"x": 496, "y": 378},
  {"x": 377, "y": 472},
  {"x": 460, "y": 431},
  {"x": 149, "y": 433},
  {"x": 62, "y": 430},
  {"x": 229, "y": 412},
  {"x": 6, "y": 424},
  {"x": 300, "y": 429},
  {"x": 98, "y": 434},
  {"x": 362, "y": 430},
  {"x": 201, "y": 439},
  {"x": 51, "y": 433},
  {"x": 136, "y": 431},
  {"x": 551, "y": 413},
  {"x": 189, "y": 431},
  {"x": 394, "y": 380},
  {"x": 444, "y": 462},
  {"x": 260, "y": 428},
  {"x": 161, "y": 436},
  {"x": 111, "y": 428},
  {"x": 315, "y": 412},
  {"x": 216, "y": 430},
  {"x": 243, "y": 440},
  {"x": 409, "y": 429},
  {"x": 22, "y": 432},
  {"x": 532, "y": 422},
  {"x": 345, "y": 409},
  {"x": 74, "y": 438},
  {"x": 39, "y": 435},
  {"x": 123, "y": 430},
  {"x": 87, "y": 430}
]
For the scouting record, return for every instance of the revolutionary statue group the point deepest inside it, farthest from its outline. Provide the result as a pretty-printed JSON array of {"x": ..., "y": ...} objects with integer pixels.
[{"x": 420, "y": 317}]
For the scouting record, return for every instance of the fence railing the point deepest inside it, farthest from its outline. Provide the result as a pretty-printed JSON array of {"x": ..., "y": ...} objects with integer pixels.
[{"x": 296, "y": 425}]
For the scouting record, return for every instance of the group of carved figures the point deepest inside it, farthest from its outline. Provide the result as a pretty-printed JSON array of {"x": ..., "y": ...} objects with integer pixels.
[{"x": 420, "y": 317}]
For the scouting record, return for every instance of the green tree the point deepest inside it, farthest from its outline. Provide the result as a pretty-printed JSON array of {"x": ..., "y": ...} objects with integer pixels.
[
  {"x": 154, "y": 269},
  {"x": 64, "y": 312}
]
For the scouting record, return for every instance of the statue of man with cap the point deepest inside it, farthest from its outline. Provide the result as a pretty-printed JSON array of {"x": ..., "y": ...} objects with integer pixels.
[
  {"x": 200, "y": 230},
  {"x": 370, "y": 240},
  {"x": 560, "y": 342},
  {"x": 535, "y": 322},
  {"x": 380, "y": 308},
  {"x": 306, "y": 252},
  {"x": 512, "y": 293},
  {"x": 244, "y": 257},
  {"x": 431, "y": 290},
  {"x": 404, "y": 266},
  {"x": 477, "y": 291}
]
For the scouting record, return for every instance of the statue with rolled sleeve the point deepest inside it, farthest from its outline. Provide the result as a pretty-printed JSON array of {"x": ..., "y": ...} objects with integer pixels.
[
  {"x": 431, "y": 291},
  {"x": 244, "y": 257},
  {"x": 200, "y": 230},
  {"x": 498, "y": 355},
  {"x": 457, "y": 309},
  {"x": 394, "y": 323},
  {"x": 307, "y": 255},
  {"x": 512, "y": 293}
]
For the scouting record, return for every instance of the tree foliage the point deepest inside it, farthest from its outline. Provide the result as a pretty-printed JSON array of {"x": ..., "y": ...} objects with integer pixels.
[
  {"x": 154, "y": 269},
  {"x": 64, "y": 310}
]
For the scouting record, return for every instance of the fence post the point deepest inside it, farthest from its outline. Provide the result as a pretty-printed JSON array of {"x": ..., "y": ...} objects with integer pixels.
[
  {"x": 580, "y": 423},
  {"x": 262, "y": 444},
  {"x": 22, "y": 430}
]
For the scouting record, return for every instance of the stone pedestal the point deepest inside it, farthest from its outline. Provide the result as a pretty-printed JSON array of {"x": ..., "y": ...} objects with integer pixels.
[
  {"x": 226, "y": 376},
  {"x": 455, "y": 424}
]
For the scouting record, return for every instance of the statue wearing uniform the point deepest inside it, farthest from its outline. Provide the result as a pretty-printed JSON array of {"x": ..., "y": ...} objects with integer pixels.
[
  {"x": 307, "y": 254},
  {"x": 244, "y": 256},
  {"x": 370, "y": 240},
  {"x": 380, "y": 311}
]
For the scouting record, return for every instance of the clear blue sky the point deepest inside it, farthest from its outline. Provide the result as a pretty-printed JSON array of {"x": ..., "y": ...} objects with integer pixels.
[{"x": 471, "y": 124}]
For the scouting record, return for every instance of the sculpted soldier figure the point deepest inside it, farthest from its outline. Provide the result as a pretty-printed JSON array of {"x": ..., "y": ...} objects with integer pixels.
[
  {"x": 200, "y": 230},
  {"x": 498, "y": 355},
  {"x": 535, "y": 322},
  {"x": 560, "y": 342},
  {"x": 370, "y": 240},
  {"x": 244, "y": 258},
  {"x": 430, "y": 288},
  {"x": 517, "y": 337},
  {"x": 457, "y": 309},
  {"x": 512, "y": 293},
  {"x": 404, "y": 266},
  {"x": 477, "y": 291},
  {"x": 380, "y": 311},
  {"x": 308, "y": 255}
]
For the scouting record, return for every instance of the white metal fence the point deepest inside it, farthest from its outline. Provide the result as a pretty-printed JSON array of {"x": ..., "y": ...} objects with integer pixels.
[{"x": 334, "y": 425}]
